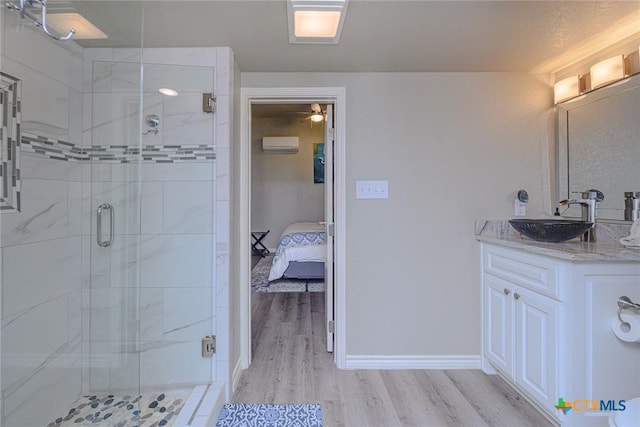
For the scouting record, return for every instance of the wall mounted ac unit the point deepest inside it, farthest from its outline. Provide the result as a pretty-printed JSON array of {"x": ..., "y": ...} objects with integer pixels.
[{"x": 280, "y": 144}]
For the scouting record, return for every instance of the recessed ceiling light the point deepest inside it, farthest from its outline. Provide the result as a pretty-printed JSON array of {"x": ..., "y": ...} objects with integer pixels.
[
  {"x": 62, "y": 22},
  {"x": 168, "y": 91}
]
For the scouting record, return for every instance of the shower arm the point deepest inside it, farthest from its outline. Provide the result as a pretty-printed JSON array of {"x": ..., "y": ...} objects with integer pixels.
[{"x": 42, "y": 22}]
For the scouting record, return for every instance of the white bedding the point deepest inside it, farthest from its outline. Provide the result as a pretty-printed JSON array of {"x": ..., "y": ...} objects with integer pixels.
[{"x": 314, "y": 252}]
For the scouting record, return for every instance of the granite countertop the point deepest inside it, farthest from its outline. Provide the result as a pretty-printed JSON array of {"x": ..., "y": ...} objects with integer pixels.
[{"x": 607, "y": 248}]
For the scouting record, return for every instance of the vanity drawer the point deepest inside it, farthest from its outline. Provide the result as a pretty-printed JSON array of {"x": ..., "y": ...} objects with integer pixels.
[{"x": 536, "y": 273}]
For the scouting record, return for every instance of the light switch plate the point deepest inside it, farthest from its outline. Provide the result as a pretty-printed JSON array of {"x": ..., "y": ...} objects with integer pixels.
[{"x": 372, "y": 189}]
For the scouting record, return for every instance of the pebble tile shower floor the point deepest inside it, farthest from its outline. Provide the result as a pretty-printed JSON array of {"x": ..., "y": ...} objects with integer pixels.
[{"x": 124, "y": 410}]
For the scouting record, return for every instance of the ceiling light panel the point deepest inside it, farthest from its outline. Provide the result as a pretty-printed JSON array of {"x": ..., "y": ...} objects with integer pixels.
[{"x": 315, "y": 21}]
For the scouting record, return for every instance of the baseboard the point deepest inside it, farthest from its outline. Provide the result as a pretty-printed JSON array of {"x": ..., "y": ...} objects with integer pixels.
[
  {"x": 235, "y": 378},
  {"x": 412, "y": 362}
]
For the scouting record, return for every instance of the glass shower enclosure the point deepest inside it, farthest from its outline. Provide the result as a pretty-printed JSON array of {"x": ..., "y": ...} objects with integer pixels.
[{"x": 107, "y": 244}]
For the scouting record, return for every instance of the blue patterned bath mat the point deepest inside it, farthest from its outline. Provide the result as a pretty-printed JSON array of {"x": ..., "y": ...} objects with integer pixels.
[{"x": 270, "y": 415}]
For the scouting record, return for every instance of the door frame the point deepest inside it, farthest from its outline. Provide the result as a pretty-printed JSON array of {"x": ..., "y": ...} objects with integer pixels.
[{"x": 249, "y": 96}]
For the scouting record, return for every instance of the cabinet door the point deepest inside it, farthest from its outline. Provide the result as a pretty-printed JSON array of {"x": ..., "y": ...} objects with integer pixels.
[
  {"x": 498, "y": 324},
  {"x": 536, "y": 346}
]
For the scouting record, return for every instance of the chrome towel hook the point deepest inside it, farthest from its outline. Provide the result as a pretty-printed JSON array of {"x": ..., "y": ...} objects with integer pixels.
[{"x": 42, "y": 22}]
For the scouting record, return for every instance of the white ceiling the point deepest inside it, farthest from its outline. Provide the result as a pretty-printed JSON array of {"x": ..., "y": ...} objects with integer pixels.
[{"x": 379, "y": 35}]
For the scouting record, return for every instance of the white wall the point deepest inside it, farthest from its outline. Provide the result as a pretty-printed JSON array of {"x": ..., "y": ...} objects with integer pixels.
[
  {"x": 282, "y": 188},
  {"x": 455, "y": 147}
]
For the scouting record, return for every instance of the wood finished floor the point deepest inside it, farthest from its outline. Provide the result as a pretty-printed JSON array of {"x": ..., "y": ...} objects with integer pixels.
[{"x": 291, "y": 365}]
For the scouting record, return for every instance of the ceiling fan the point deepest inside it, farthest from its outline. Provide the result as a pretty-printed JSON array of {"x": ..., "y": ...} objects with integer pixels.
[{"x": 316, "y": 114}]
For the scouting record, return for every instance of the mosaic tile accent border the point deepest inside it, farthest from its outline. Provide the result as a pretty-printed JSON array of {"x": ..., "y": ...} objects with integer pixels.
[
  {"x": 61, "y": 150},
  {"x": 109, "y": 410},
  {"x": 10, "y": 114}
]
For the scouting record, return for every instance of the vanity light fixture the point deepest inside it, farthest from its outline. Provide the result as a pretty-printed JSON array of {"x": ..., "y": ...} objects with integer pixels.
[
  {"x": 568, "y": 88},
  {"x": 315, "y": 21},
  {"x": 607, "y": 71},
  {"x": 168, "y": 91},
  {"x": 614, "y": 70},
  {"x": 84, "y": 30}
]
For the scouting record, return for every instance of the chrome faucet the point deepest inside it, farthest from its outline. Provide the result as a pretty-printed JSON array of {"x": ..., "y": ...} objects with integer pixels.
[{"x": 589, "y": 202}]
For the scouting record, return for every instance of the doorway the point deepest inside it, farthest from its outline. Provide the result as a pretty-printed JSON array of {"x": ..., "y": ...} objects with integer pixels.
[{"x": 334, "y": 99}]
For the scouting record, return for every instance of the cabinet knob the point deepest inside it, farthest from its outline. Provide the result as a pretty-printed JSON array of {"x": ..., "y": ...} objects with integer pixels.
[
  {"x": 506, "y": 291},
  {"x": 516, "y": 295}
]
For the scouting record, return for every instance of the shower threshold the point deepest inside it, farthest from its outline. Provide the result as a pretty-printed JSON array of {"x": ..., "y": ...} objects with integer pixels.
[{"x": 184, "y": 407}]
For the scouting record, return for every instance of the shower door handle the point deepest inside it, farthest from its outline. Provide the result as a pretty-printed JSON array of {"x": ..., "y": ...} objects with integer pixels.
[{"x": 101, "y": 208}]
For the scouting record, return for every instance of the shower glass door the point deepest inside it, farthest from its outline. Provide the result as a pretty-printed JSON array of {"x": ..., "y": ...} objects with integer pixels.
[{"x": 115, "y": 194}]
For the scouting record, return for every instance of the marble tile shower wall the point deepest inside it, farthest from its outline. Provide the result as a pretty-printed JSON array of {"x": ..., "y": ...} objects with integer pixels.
[{"x": 41, "y": 246}]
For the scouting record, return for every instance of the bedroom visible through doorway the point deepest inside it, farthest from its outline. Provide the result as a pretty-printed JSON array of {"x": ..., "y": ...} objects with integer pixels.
[
  {"x": 286, "y": 158},
  {"x": 300, "y": 102},
  {"x": 290, "y": 203}
]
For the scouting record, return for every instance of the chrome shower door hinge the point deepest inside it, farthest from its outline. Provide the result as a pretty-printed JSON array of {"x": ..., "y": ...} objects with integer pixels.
[
  {"x": 208, "y": 346},
  {"x": 208, "y": 102},
  {"x": 332, "y": 327}
]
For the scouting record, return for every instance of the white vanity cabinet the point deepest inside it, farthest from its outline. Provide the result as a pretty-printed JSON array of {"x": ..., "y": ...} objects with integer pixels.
[
  {"x": 547, "y": 315},
  {"x": 521, "y": 319}
]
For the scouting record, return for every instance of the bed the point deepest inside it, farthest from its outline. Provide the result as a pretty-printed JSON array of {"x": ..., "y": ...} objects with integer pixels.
[{"x": 301, "y": 252}]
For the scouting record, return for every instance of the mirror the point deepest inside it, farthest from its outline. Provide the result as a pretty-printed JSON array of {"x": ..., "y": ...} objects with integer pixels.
[{"x": 599, "y": 147}]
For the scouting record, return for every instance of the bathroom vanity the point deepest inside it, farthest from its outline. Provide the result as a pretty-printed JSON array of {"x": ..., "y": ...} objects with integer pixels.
[{"x": 547, "y": 310}]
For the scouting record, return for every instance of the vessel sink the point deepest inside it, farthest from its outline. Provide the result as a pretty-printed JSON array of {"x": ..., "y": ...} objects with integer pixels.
[{"x": 550, "y": 230}]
